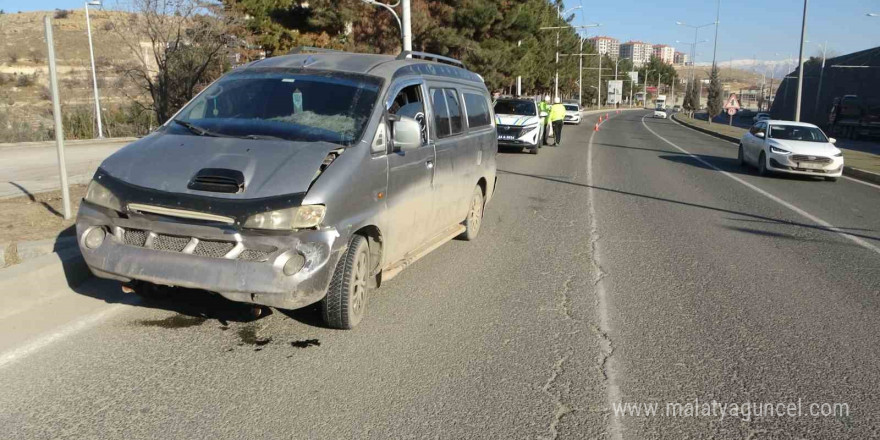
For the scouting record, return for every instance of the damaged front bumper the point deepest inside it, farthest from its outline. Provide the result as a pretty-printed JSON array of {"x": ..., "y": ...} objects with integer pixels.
[{"x": 286, "y": 271}]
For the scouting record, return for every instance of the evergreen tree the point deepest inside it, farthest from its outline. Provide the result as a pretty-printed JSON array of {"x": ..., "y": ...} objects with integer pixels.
[
  {"x": 688, "y": 103},
  {"x": 714, "y": 99}
]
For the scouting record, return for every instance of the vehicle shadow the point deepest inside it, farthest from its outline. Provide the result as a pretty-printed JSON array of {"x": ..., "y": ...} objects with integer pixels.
[
  {"x": 512, "y": 150},
  {"x": 835, "y": 229},
  {"x": 731, "y": 165}
]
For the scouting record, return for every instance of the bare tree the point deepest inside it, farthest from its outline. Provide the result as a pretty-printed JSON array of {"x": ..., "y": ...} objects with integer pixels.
[{"x": 180, "y": 47}]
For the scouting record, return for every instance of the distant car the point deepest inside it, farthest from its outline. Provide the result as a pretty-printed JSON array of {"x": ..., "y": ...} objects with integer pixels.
[
  {"x": 676, "y": 109},
  {"x": 761, "y": 117},
  {"x": 660, "y": 113},
  {"x": 790, "y": 147},
  {"x": 572, "y": 113},
  {"x": 519, "y": 124}
]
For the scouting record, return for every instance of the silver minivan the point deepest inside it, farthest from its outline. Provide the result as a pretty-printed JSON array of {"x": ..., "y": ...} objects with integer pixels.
[{"x": 297, "y": 179}]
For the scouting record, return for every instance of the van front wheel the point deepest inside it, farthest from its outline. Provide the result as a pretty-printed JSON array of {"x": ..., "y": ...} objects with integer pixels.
[
  {"x": 346, "y": 299},
  {"x": 474, "y": 218}
]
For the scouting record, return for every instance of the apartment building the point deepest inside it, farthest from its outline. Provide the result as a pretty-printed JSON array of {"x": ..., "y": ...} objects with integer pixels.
[
  {"x": 680, "y": 58},
  {"x": 664, "y": 53},
  {"x": 637, "y": 51},
  {"x": 606, "y": 45}
]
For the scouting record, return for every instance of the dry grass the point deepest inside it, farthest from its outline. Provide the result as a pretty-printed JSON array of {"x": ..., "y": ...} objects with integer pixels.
[{"x": 37, "y": 217}]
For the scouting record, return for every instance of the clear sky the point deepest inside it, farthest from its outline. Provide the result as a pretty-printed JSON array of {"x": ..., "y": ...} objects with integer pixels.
[{"x": 762, "y": 29}]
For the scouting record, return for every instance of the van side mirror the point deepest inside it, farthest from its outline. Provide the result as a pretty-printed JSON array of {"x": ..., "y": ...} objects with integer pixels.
[
  {"x": 760, "y": 134},
  {"x": 543, "y": 114},
  {"x": 832, "y": 140},
  {"x": 407, "y": 133}
]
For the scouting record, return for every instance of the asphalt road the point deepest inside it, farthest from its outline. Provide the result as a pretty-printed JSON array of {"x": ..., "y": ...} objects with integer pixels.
[
  {"x": 33, "y": 167},
  {"x": 613, "y": 269}
]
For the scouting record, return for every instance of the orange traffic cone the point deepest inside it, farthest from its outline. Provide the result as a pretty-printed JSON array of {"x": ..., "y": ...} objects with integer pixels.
[
  {"x": 596, "y": 127},
  {"x": 606, "y": 115}
]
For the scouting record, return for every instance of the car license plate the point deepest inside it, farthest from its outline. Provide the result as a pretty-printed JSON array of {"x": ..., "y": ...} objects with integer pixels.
[
  {"x": 810, "y": 165},
  {"x": 505, "y": 137}
]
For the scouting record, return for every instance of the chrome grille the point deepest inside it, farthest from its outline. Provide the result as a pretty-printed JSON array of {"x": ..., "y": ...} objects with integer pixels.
[
  {"x": 170, "y": 243},
  {"x": 254, "y": 255},
  {"x": 511, "y": 130},
  {"x": 135, "y": 237},
  {"x": 213, "y": 249},
  {"x": 805, "y": 158}
]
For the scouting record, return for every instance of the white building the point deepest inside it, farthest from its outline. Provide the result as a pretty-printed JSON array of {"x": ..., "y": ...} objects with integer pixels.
[
  {"x": 664, "y": 53},
  {"x": 606, "y": 46},
  {"x": 637, "y": 51},
  {"x": 681, "y": 58}
]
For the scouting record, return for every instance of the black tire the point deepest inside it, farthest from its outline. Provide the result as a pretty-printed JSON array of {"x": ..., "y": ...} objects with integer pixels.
[
  {"x": 534, "y": 150},
  {"x": 474, "y": 219},
  {"x": 762, "y": 165},
  {"x": 740, "y": 158},
  {"x": 346, "y": 300},
  {"x": 831, "y": 179}
]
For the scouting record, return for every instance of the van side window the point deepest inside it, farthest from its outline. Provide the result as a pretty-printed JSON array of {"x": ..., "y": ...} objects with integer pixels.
[
  {"x": 441, "y": 113},
  {"x": 409, "y": 103},
  {"x": 477, "y": 110},
  {"x": 454, "y": 111}
]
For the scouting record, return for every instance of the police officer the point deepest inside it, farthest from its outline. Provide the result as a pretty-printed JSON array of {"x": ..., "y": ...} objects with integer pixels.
[
  {"x": 544, "y": 107},
  {"x": 557, "y": 118}
]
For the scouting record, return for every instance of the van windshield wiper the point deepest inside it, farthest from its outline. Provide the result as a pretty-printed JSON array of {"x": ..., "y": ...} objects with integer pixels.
[
  {"x": 263, "y": 137},
  {"x": 198, "y": 130}
]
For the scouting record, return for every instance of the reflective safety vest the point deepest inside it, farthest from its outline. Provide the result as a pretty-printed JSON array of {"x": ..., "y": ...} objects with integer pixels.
[{"x": 557, "y": 112}]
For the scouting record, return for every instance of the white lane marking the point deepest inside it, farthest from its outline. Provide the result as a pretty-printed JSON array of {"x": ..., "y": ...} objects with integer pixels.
[
  {"x": 612, "y": 391},
  {"x": 10, "y": 356},
  {"x": 788, "y": 205},
  {"x": 734, "y": 143},
  {"x": 861, "y": 181}
]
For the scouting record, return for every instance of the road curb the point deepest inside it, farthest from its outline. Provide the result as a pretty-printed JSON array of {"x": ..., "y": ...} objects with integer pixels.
[
  {"x": 25, "y": 284},
  {"x": 855, "y": 173}
]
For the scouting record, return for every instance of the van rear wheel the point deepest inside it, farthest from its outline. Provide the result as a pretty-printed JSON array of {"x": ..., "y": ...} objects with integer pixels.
[
  {"x": 474, "y": 218},
  {"x": 346, "y": 300}
]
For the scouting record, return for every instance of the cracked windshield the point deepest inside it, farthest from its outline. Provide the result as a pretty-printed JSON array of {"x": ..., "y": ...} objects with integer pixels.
[{"x": 453, "y": 219}]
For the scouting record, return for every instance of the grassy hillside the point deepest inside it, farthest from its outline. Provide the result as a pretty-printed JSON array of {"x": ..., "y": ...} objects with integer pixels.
[{"x": 25, "y": 107}]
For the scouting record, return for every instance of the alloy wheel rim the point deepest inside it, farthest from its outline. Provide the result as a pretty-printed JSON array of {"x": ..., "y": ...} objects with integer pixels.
[
  {"x": 359, "y": 284},
  {"x": 476, "y": 213}
]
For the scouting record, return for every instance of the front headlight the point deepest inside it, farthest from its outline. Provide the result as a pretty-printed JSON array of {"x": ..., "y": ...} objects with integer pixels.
[
  {"x": 527, "y": 129},
  {"x": 300, "y": 217},
  {"x": 778, "y": 150},
  {"x": 101, "y": 196}
]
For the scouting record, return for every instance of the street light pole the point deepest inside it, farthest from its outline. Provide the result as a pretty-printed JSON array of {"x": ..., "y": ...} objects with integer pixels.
[
  {"x": 390, "y": 8},
  {"x": 800, "y": 83},
  {"x": 94, "y": 75},
  {"x": 407, "y": 26},
  {"x": 717, "y": 22},
  {"x": 599, "y": 89},
  {"x": 561, "y": 14}
]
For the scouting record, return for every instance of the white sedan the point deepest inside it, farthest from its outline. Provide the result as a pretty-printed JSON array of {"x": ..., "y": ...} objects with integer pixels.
[
  {"x": 790, "y": 147},
  {"x": 660, "y": 113}
]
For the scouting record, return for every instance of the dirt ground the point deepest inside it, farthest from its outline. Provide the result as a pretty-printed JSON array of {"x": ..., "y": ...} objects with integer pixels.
[{"x": 37, "y": 217}]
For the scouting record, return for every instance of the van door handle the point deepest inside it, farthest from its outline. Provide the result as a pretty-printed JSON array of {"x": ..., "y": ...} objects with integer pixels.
[{"x": 429, "y": 164}]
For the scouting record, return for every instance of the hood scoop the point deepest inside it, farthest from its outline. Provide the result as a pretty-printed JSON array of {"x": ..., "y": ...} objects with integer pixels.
[{"x": 218, "y": 180}]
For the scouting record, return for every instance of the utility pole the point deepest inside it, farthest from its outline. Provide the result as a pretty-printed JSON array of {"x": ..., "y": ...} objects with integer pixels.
[
  {"x": 94, "y": 75},
  {"x": 800, "y": 83},
  {"x": 56, "y": 112},
  {"x": 821, "y": 73}
]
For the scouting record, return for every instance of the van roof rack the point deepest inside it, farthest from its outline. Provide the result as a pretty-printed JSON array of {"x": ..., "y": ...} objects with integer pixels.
[
  {"x": 310, "y": 49},
  {"x": 430, "y": 57}
]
